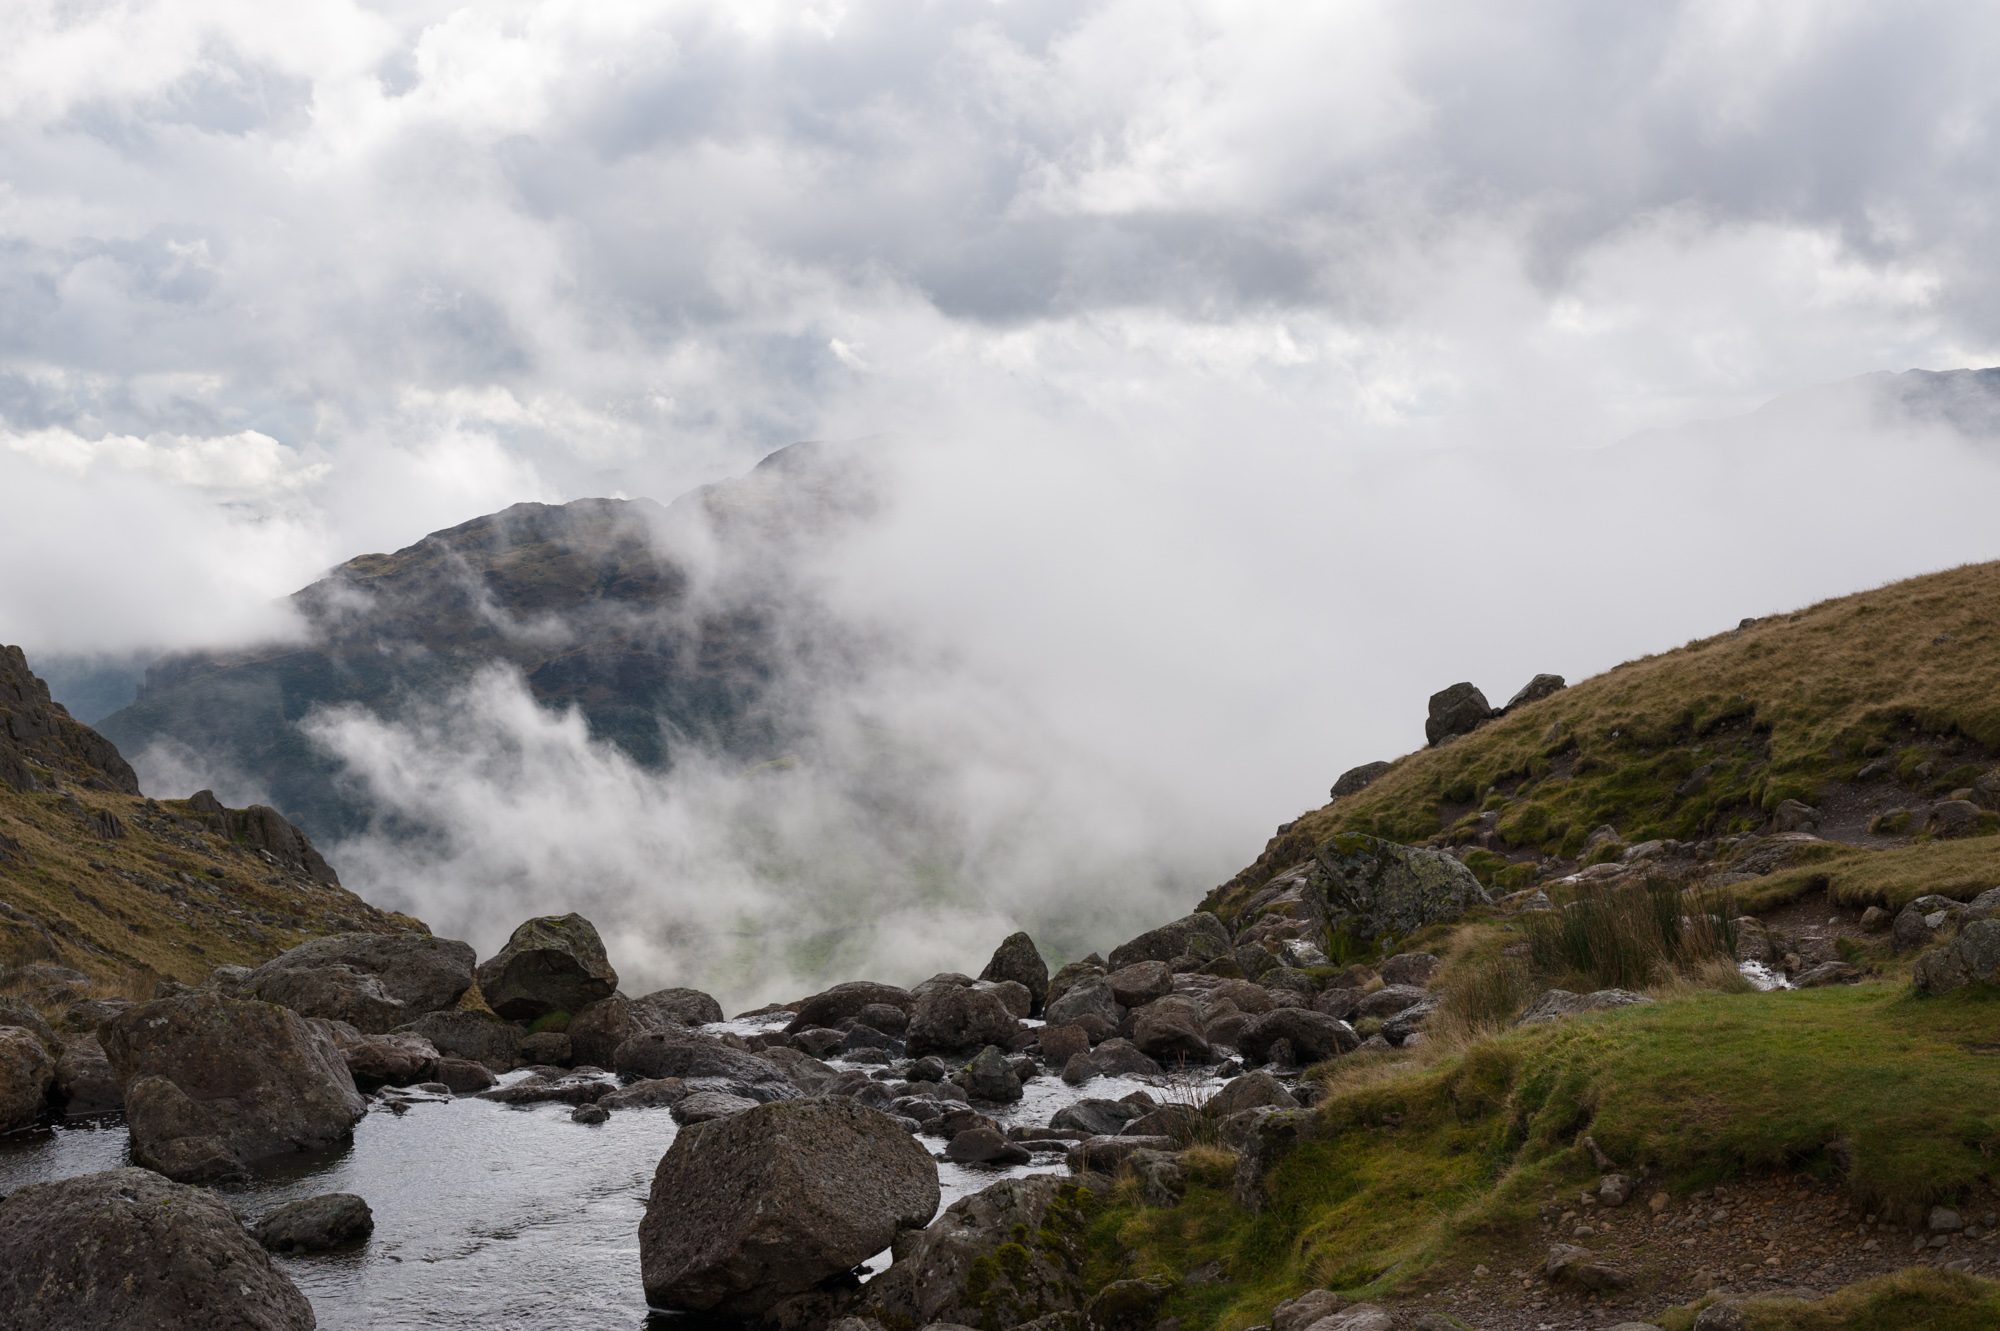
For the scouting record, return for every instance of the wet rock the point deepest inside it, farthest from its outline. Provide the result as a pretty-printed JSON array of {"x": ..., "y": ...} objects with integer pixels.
[
  {"x": 1389, "y": 1000},
  {"x": 1169, "y": 1032},
  {"x": 1079, "y": 1069},
  {"x": 1060, "y": 1043},
  {"x": 707, "y": 1106},
  {"x": 390, "y": 1060},
  {"x": 677, "y": 1006},
  {"x": 655, "y": 1093},
  {"x": 26, "y": 1074},
  {"x": 86, "y": 1085},
  {"x": 1536, "y": 689},
  {"x": 544, "y": 1090},
  {"x": 470, "y": 1036},
  {"x": 1570, "y": 1265},
  {"x": 1458, "y": 710},
  {"x": 1088, "y": 1002},
  {"x": 1972, "y": 958},
  {"x": 1096, "y": 1117},
  {"x": 952, "y": 1272},
  {"x": 819, "y": 1042},
  {"x": 1313, "y": 1036},
  {"x": 1062, "y": 980},
  {"x": 127, "y": 1248},
  {"x": 549, "y": 1048},
  {"x": 985, "y": 1146},
  {"x": 1199, "y": 935},
  {"x": 750, "y": 1209},
  {"x": 462, "y": 1076},
  {"x": 990, "y": 1077},
  {"x": 1364, "y": 888},
  {"x": 590, "y": 1115},
  {"x": 1252, "y": 1090},
  {"x": 949, "y": 1020},
  {"x": 1104, "y": 1155},
  {"x": 374, "y": 982},
  {"x": 597, "y": 1029},
  {"x": 687, "y": 1054},
  {"x": 1140, "y": 983},
  {"x": 1122, "y": 1058},
  {"x": 1555, "y": 1004},
  {"x": 214, "y": 1086},
  {"x": 1013, "y": 996},
  {"x": 552, "y": 963},
  {"x": 1019, "y": 960},
  {"x": 833, "y": 1006},
  {"x": 1356, "y": 779},
  {"x": 325, "y": 1223},
  {"x": 884, "y": 1018}
]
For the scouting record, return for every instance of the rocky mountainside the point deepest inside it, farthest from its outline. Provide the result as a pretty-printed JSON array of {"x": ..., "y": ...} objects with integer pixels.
[
  {"x": 662, "y": 624},
  {"x": 97, "y": 877}
]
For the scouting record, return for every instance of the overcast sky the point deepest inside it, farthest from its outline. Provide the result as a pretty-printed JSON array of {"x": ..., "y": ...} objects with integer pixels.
[{"x": 1248, "y": 368}]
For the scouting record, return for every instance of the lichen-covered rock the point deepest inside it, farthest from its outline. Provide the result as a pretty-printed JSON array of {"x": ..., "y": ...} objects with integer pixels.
[
  {"x": 374, "y": 982},
  {"x": 127, "y": 1248},
  {"x": 214, "y": 1086},
  {"x": 1364, "y": 888},
  {"x": 1019, "y": 960},
  {"x": 1006, "y": 1255},
  {"x": 552, "y": 963},
  {"x": 758, "y": 1206},
  {"x": 1972, "y": 958},
  {"x": 26, "y": 1073},
  {"x": 1200, "y": 935}
]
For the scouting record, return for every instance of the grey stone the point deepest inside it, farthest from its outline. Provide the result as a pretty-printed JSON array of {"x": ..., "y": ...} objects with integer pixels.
[
  {"x": 833, "y": 1006},
  {"x": 706, "y": 1106},
  {"x": 990, "y": 1077},
  {"x": 1312, "y": 1036},
  {"x": 1571, "y": 1265},
  {"x": 552, "y": 963},
  {"x": 1972, "y": 958},
  {"x": 374, "y": 982},
  {"x": 26, "y": 1074},
  {"x": 1018, "y": 959},
  {"x": 1251, "y": 1090},
  {"x": 469, "y": 1036},
  {"x": 316, "y": 1224},
  {"x": 1356, "y": 779},
  {"x": 1410, "y": 968},
  {"x": 1088, "y": 999},
  {"x": 1454, "y": 711},
  {"x": 1555, "y": 1004},
  {"x": 932, "y": 1276},
  {"x": 1198, "y": 935},
  {"x": 949, "y": 1019},
  {"x": 86, "y": 1084},
  {"x": 1536, "y": 689},
  {"x": 1365, "y": 888}
]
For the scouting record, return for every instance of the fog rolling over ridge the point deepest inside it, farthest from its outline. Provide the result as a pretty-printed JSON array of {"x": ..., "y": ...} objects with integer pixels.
[{"x": 1033, "y": 684}]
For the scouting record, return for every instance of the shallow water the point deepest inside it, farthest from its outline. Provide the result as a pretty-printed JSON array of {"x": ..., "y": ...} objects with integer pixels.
[{"x": 495, "y": 1217}]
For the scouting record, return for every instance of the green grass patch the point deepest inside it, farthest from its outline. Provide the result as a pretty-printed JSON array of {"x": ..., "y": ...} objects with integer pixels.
[
  {"x": 1886, "y": 878},
  {"x": 1920, "y": 1296}
]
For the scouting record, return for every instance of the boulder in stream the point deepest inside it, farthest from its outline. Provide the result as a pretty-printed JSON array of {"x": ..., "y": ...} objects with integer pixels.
[{"x": 552, "y": 963}]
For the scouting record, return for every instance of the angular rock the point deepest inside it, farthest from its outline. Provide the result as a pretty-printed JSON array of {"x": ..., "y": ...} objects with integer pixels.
[
  {"x": 1313, "y": 1036},
  {"x": 127, "y": 1248},
  {"x": 324, "y": 1223},
  {"x": 750, "y": 1209},
  {"x": 1389, "y": 1000},
  {"x": 374, "y": 982},
  {"x": 1061, "y": 1043},
  {"x": 985, "y": 1146},
  {"x": 1122, "y": 1058},
  {"x": 1013, "y": 996},
  {"x": 1356, "y": 779},
  {"x": 656, "y": 1093},
  {"x": 1410, "y": 968},
  {"x": 1096, "y": 1117},
  {"x": 1252, "y": 1090},
  {"x": 470, "y": 1036},
  {"x": 949, "y": 1020},
  {"x": 707, "y": 1106},
  {"x": 1198, "y": 935},
  {"x": 990, "y": 1077},
  {"x": 1458, "y": 710},
  {"x": 389, "y": 1060},
  {"x": 214, "y": 1086},
  {"x": 684, "y": 1053},
  {"x": 1060, "y": 982},
  {"x": 1018, "y": 959},
  {"x": 1571, "y": 1265},
  {"x": 953, "y": 1271},
  {"x": 16, "y": 1012},
  {"x": 1364, "y": 888},
  {"x": 552, "y": 963},
  {"x": 1088, "y": 1002},
  {"x": 1140, "y": 983},
  {"x": 1169, "y": 1032},
  {"x": 1953, "y": 818},
  {"x": 1919, "y": 921},
  {"x": 679, "y": 1007},
  {"x": 546, "y": 1049},
  {"x": 26, "y": 1074},
  {"x": 836, "y": 1005},
  {"x": 86, "y": 1085},
  {"x": 1536, "y": 689},
  {"x": 1972, "y": 958}
]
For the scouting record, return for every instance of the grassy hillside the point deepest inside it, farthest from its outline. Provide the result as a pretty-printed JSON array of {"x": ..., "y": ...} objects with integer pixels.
[{"x": 1710, "y": 738}]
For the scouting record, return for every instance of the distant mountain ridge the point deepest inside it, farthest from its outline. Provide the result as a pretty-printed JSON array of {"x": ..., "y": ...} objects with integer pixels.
[{"x": 660, "y": 623}]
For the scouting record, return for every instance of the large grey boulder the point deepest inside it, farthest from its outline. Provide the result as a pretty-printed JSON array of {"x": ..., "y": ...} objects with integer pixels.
[
  {"x": 949, "y": 1019},
  {"x": 1972, "y": 958},
  {"x": 86, "y": 1084},
  {"x": 954, "y": 1270},
  {"x": 552, "y": 963},
  {"x": 127, "y": 1248},
  {"x": 1090, "y": 1002},
  {"x": 214, "y": 1086},
  {"x": 1019, "y": 960},
  {"x": 373, "y": 982},
  {"x": 26, "y": 1073},
  {"x": 1920, "y": 921},
  {"x": 832, "y": 1006},
  {"x": 1169, "y": 1031},
  {"x": 1458, "y": 710},
  {"x": 680, "y": 1006},
  {"x": 596, "y": 1030},
  {"x": 1365, "y": 888},
  {"x": 750, "y": 1209},
  {"x": 1200, "y": 935}
]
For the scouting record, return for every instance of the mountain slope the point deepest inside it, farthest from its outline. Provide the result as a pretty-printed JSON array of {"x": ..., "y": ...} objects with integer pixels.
[
  {"x": 95, "y": 876},
  {"x": 1859, "y": 707},
  {"x": 659, "y": 623}
]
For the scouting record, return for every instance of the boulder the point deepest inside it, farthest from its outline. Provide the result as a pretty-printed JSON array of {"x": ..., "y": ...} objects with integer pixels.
[
  {"x": 1536, "y": 689},
  {"x": 949, "y": 1019},
  {"x": 127, "y": 1248},
  {"x": 1972, "y": 958},
  {"x": 990, "y": 1077},
  {"x": 1357, "y": 779},
  {"x": 546, "y": 1049},
  {"x": 1169, "y": 1031},
  {"x": 1458, "y": 710},
  {"x": 374, "y": 982},
  {"x": 687, "y": 1054},
  {"x": 389, "y": 1060},
  {"x": 469, "y": 1036},
  {"x": 1794, "y": 816},
  {"x": 833, "y": 1006},
  {"x": 1252, "y": 1090},
  {"x": 1555, "y": 1004},
  {"x": 1953, "y": 818},
  {"x": 1019, "y": 960},
  {"x": 1200, "y": 935},
  {"x": 1313, "y": 1306},
  {"x": 982, "y": 1145},
  {"x": 1098, "y": 1118},
  {"x": 86, "y": 1085},
  {"x": 1140, "y": 983},
  {"x": 214, "y": 1086},
  {"x": 679, "y": 1007},
  {"x": 325, "y": 1223},
  {"x": 1389, "y": 1000},
  {"x": 1919, "y": 922},
  {"x": 1087, "y": 1001},
  {"x": 1364, "y": 888},
  {"x": 1122, "y": 1058},
  {"x": 707, "y": 1106},
  {"x": 17, "y": 1012},
  {"x": 1013, "y": 996},
  {"x": 1062, "y": 980},
  {"x": 26, "y": 1074},
  {"x": 552, "y": 963},
  {"x": 1570, "y": 1265},
  {"x": 1413, "y": 968},
  {"x": 955, "y": 1271},
  {"x": 750, "y": 1209},
  {"x": 1313, "y": 1036},
  {"x": 657, "y": 1093},
  {"x": 462, "y": 1076}
]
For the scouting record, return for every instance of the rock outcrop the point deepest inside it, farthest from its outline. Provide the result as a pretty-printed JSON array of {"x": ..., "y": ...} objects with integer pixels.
[
  {"x": 373, "y": 982},
  {"x": 552, "y": 963},
  {"x": 1364, "y": 888},
  {"x": 215, "y": 1086},
  {"x": 775, "y": 1201},
  {"x": 127, "y": 1248}
]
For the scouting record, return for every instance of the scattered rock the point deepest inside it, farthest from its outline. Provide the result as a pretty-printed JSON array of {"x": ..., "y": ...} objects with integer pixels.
[
  {"x": 1127, "y": 1305},
  {"x": 1315, "y": 1305},
  {"x": 1953, "y": 818},
  {"x": 127, "y": 1248},
  {"x": 990, "y": 1077},
  {"x": 547, "y": 1049},
  {"x": 1919, "y": 922},
  {"x": 985, "y": 1146},
  {"x": 552, "y": 963},
  {"x": 1140, "y": 983},
  {"x": 1458, "y": 710},
  {"x": 1088, "y": 1002},
  {"x": 677, "y": 1006},
  {"x": 216, "y": 1085},
  {"x": 1252, "y": 1090},
  {"x": 1569, "y": 1264},
  {"x": 1410, "y": 968},
  {"x": 1312, "y": 1036},
  {"x": 1972, "y": 958},
  {"x": 774, "y": 1201},
  {"x": 1794, "y": 816},
  {"x": 836, "y": 1005},
  {"x": 684, "y": 1053},
  {"x": 317, "y": 1224}
]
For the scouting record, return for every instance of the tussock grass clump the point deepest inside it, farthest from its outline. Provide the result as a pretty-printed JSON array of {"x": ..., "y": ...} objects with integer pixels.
[{"x": 1630, "y": 938}]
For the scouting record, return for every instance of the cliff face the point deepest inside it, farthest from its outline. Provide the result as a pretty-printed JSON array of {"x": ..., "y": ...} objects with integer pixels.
[
  {"x": 96, "y": 876},
  {"x": 660, "y": 623}
]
